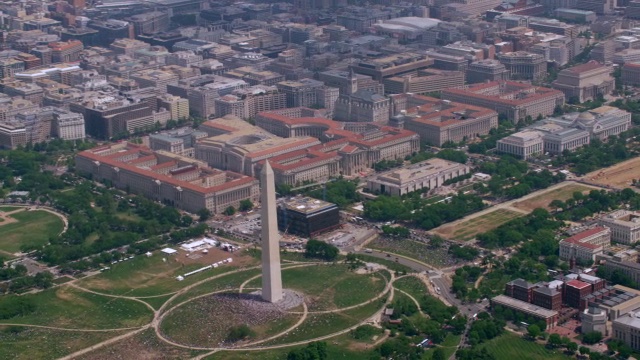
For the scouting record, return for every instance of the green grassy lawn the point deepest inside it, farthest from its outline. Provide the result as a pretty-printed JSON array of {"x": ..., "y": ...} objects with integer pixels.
[
  {"x": 437, "y": 257},
  {"x": 201, "y": 322},
  {"x": 9, "y": 208},
  {"x": 391, "y": 265},
  {"x": 449, "y": 346},
  {"x": 128, "y": 216},
  {"x": 330, "y": 286},
  {"x": 412, "y": 286},
  {"x": 69, "y": 308},
  {"x": 22, "y": 343},
  {"x": 334, "y": 352},
  {"x": 317, "y": 325},
  {"x": 510, "y": 346},
  {"x": 226, "y": 282},
  {"x": 147, "y": 276},
  {"x": 132, "y": 347},
  {"x": 157, "y": 301},
  {"x": 32, "y": 228}
]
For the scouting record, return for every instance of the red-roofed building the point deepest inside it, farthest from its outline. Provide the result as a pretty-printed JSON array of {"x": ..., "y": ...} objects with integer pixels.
[
  {"x": 584, "y": 246},
  {"x": 574, "y": 291},
  {"x": 346, "y": 149},
  {"x": 440, "y": 121},
  {"x": 180, "y": 181},
  {"x": 65, "y": 51},
  {"x": 512, "y": 99},
  {"x": 585, "y": 81}
]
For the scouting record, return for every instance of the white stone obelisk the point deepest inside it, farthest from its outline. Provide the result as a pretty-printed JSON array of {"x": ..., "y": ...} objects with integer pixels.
[{"x": 271, "y": 275}]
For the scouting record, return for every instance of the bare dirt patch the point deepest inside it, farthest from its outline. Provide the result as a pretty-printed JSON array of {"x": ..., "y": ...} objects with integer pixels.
[{"x": 616, "y": 176}]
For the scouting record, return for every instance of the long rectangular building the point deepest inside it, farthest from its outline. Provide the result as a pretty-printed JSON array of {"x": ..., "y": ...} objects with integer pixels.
[
  {"x": 441, "y": 121},
  {"x": 428, "y": 174},
  {"x": 512, "y": 99},
  {"x": 179, "y": 181},
  {"x": 549, "y": 316}
]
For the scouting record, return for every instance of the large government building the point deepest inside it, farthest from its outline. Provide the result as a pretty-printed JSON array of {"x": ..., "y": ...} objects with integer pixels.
[
  {"x": 512, "y": 99},
  {"x": 440, "y": 121},
  {"x": 346, "y": 148},
  {"x": 569, "y": 132},
  {"x": 428, "y": 174},
  {"x": 179, "y": 181}
]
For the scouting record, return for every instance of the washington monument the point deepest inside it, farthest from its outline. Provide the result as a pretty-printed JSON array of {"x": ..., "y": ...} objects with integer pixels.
[{"x": 271, "y": 276}]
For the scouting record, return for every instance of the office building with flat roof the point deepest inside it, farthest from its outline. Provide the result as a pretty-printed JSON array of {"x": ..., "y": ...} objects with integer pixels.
[
  {"x": 486, "y": 70},
  {"x": 624, "y": 225},
  {"x": 441, "y": 121},
  {"x": 525, "y": 308},
  {"x": 523, "y": 65},
  {"x": 428, "y": 174},
  {"x": 523, "y": 144},
  {"x": 307, "y": 217},
  {"x": 392, "y": 65},
  {"x": 185, "y": 183},
  {"x": 513, "y": 99},
  {"x": 626, "y": 329},
  {"x": 346, "y": 149},
  {"x": 424, "y": 82},
  {"x": 585, "y": 82},
  {"x": 585, "y": 245},
  {"x": 234, "y": 144}
]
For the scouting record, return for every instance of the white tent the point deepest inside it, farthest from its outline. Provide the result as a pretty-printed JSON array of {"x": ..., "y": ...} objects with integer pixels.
[{"x": 169, "y": 251}]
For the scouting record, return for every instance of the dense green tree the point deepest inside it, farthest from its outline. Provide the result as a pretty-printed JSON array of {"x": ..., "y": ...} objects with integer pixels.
[
  {"x": 592, "y": 337},
  {"x": 534, "y": 331},
  {"x": 321, "y": 250},
  {"x": 245, "y": 205},
  {"x": 204, "y": 214},
  {"x": 438, "y": 354},
  {"x": 316, "y": 350}
]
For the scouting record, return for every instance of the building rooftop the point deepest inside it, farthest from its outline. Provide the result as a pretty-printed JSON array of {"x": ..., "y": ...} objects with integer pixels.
[
  {"x": 578, "y": 284},
  {"x": 524, "y": 306},
  {"x": 305, "y": 204},
  {"x": 419, "y": 171},
  {"x": 580, "y": 237}
]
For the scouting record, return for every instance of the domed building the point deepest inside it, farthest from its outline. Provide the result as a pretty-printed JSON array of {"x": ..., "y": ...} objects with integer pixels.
[{"x": 572, "y": 131}]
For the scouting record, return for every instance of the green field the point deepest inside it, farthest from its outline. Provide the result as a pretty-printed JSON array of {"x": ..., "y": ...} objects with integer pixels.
[
  {"x": 437, "y": 257},
  {"x": 147, "y": 276},
  {"x": 449, "y": 345},
  {"x": 132, "y": 347},
  {"x": 32, "y": 228},
  {"x": 510, "y": 347},
  {"x": 320, "y": 324},
  {"x": 21, "y": 343},
  {"x": 412, "y": 286},
  {"x": 69, "y": 308},
  {"x": 9, "y": 208},
  {"x": 226, "y": 282},
  {"x": 468, "y": 230},
  {"x": 206, "y": 321},
  {"x": 334, "y": 352},
  {"x": 330, "y": 286}
]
